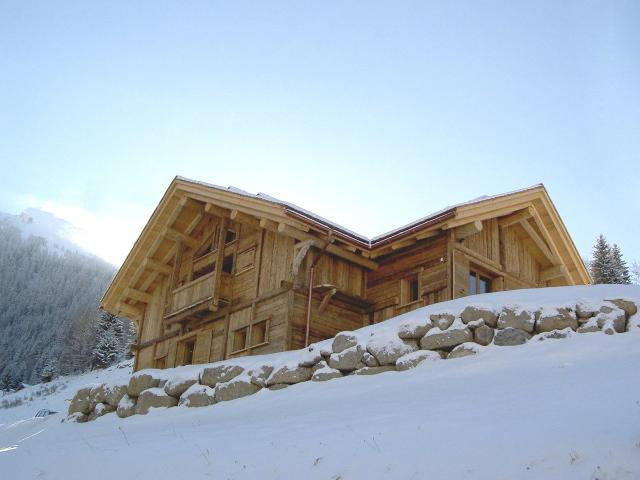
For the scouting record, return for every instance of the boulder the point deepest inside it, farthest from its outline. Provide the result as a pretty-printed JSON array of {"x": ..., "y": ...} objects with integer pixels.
[
  {"x": 612, "y": 316},
  {"x": 375, "y": 370},
  {"x": 387, "y": 349},
  {"x": 126, "y": 406},
  {"x": 259, "y": 374},
  {"x": 556, "y": 319},
  {"x": 347, "y": 359},
  {"x": 590, "y": 326},
  {"x": 154, "y": 398},
  {"x": 344, "y": 340},
  {"x": 100, "y": 410},
  {"x": 483, "y": 335},
  {"x": 289, "y": 374},
  {"x": 211, "y": 376},
  {"x": 555, "y": 334},
  {"x": 369, "y": 360},
  {"x": 177, "y": 386},
  {"x": 310, "y": 357},
  {"x": 510, "y": 336},
  {"x": 81, "y": 402},
  {"x": 442, "y": 320},
  {"x": 413, "y": 359},
  {"x": 97, "y": 394},
  {"x": 278, "y": 386},
  {"x": 141, "y": 381},
  {"x": 236, "y": 388},
  {"x": 113, "y": 393},
  {"x": 324, "y": 373},
  {"x": 520, "y": 318},
  {"x": 586, "y": 309},
  {"x": 436, "y": 338},
  {"x": 415, "y": 329},
  {"x": 77, "y": 417},
  {"x": 473, "y": 313},
  {"x": 629, "y": 307},
  {"x": 197, "y": 396},
  {"x": 464, "y": 350}
]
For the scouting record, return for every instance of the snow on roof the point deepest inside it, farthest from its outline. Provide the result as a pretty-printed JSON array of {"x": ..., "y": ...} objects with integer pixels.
[{"x": 334, "y": 226}]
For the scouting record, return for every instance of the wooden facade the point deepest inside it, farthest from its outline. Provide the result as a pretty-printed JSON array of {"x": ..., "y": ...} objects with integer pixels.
[{"x": 218, "y": 273}]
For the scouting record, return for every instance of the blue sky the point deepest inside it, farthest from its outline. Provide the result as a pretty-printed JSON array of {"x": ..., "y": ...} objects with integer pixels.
[{"x": 369, "y": 113}]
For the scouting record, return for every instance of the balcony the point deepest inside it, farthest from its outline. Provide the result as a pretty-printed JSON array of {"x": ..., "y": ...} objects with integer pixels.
[{"x": 196, "y": 295}]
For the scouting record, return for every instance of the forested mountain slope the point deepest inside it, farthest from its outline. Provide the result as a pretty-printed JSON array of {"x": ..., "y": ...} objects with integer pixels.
[{"x": 48, "y": 305}]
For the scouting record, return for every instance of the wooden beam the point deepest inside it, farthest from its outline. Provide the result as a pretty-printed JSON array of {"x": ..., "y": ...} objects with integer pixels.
[
  {"x": 329, "y": 247},
  {"x": 138, "y": 295},
  {"x": 238, "y": 216},
  {"x": 302, "y": 249},
  {"x": 515, "y": 217},
  {"x": 326, "y": 298},
  {"x": 268, "y": 224},
  {"x": 551, "y": 273},
  {"x": 428, "y": 234},
  {"x": 404, "y": 243},
  {"x": 484, "y": 215},
  {"x": 156, "y": 266},
  {"x": 539, "y": 242},
  {"x": 217, "y": 276},
  {"x": 129, "y": 311},
  {"x": 177, "y": 236},
  {"x": 545, "y": 232},
  {"x": 212, "y": 209},
  {"x": 467, "y": 230}
]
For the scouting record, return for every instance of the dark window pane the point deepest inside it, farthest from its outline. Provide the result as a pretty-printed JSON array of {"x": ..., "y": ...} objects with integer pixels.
[
  {"x": 227, "y": 264},
  {"x": 231, "y": 236},
  {"x": 485, "y": 285},
  {"x": 473, "y": 283},
  {"x": 413, "y": 290},
  {"x": 188, "y": 352}
]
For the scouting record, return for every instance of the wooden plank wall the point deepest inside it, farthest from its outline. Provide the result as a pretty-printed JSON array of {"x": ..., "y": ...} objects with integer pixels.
[{"x": 517, "y": 259}]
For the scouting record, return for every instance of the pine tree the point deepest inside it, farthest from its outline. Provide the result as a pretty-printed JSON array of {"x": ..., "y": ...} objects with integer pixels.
[
  {"x": 5, "y": 382},
  {"x": 620, "y": 269},
  {"x": 48, "y": 372},
  {"x": 601, "y": 264},
  {"x": 106, "y": 352}
]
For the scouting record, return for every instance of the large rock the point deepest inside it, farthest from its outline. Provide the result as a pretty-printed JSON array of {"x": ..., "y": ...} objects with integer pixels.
[
  {"x": 436, "y": 339},
  {"x": 520, "y": 318},
  {"x": 556, "y": 319},
  {"x": 347, "y": 359},
  {"x": 211, "y": 376},
  {"x": 259, "y": 374},
  {"x": 154, "y": 398},
  {"x": 324, "y": 373},
  {"x": 344, "y": 340},
  {"x": 629, "y": 307},
  {"x": 586, "y": 309},
  {"x": 473, "y": 313},
  {"x": 413, "y": 359},
  {"x": 589, "y": 327},
  {"x": 236, "y": 388},
  {"x": 483, "y": 335},
  {"x": 99, "y": 410},
  {"x": 510, "y": 336},
  {"x": 197, "y": 396},
  {"x": 555, "y": 334},
  {"x": 310, "y": 357},
  {"x": 126, "y": 406},
  {"x": 289, "y": 374},
  {"x": 141, "y": 381},
  {"x": 81, "y": 402},
  {"x": 414, "y": 329},
  {"x": 387, "y": 349},
  {"x": 113, "y": 393},
  {"x": 611, "y": 317},
  {"x": 464, "y": 350},
  {"x": 442, "y": 320},
  {"x": 369, "y": 360},
  {"x": 375, "y": 370},
  {"x": 77, "y": 417},
  {"x": 177, "y": 386}
]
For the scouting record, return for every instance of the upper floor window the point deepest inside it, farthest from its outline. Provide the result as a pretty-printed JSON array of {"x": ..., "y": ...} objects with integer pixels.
[
  {"x": 478, "y": 283},
  {"x": 410, "y": 289},
  {"x": 230, "y": 237}
]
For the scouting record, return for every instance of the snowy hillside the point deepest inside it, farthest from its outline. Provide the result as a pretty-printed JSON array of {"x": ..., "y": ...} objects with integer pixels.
[
  {"x": 553, "y": 409},
  {"x": 59, "y": 234}
]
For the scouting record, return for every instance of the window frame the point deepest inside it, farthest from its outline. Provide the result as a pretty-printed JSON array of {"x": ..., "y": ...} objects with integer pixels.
[
  {"x": 406, "y": 284},
  {"x": 480, "y": 274}
]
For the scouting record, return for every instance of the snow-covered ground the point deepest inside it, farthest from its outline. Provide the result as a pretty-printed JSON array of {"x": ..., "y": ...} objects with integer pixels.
[{"x": 554, "y": 409}]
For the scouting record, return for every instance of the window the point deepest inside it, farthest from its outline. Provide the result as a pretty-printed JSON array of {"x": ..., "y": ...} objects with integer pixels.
[
  {"x": 230, "y": 237},
  {"x": 410, "y": 289},
  {"x": 478, "y": 283},
  {"x": 189, "y": 347},
  {"x": 227, "y": 264},
  {"x": 259, "y": 333},
  {"x": 161, "y": 362},
  {"x": 240, "y": 337}
]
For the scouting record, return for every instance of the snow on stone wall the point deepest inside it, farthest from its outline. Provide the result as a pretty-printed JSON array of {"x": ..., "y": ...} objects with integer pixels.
[{"x": 443, "y": 331}]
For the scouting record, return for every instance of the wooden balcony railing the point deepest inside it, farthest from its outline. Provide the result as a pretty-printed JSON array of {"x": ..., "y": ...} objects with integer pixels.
[{"x": 196, "y": 292}]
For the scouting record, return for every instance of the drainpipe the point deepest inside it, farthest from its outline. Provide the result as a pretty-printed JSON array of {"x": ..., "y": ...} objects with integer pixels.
[{"x": 310, "y": 294}]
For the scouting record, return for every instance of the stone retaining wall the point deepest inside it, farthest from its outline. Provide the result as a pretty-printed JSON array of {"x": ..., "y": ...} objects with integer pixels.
[{"x": 394, "y": 345}]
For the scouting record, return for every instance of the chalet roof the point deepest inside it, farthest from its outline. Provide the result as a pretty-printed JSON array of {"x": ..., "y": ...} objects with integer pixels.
[{"x": 373, "y": 241}]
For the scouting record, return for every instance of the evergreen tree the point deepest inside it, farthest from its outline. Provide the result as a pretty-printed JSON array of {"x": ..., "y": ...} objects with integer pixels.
[
  {"x": 49, "y": 372},
  {"x": 620, "y": 269},
  {"x": 107, "y": 350},
  {"x": 5, "y": 382},
  {"x": 601, "y": 265}
]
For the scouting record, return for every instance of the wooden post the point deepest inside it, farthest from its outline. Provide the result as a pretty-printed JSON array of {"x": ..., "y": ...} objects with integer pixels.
[{"x": 219, "y": 261}]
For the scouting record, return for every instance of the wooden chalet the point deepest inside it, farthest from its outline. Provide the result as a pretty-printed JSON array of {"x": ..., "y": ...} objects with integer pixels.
[{"x": 218, "y": 272}]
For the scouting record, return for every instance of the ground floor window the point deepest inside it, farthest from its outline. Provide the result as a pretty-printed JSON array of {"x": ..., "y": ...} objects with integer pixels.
[
  {"x": 409, "y": 289},
  {"x": 240, "y": 337},
  {"x": 189, "y": 347},
  {"x": 478, "y": 283}
]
